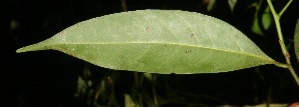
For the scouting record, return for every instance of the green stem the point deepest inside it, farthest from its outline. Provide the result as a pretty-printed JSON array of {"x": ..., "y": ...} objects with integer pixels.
[
  {"x": 284, "y": 8},
  {"x": 280, "y": 36},
  {"x": 294, "y": 74},
  {"x": 282, "y": 65},
  {"x": 281, "y": 40}
]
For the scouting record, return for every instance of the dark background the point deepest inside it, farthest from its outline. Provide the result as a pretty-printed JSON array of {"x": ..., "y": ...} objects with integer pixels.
[{"x": 49, "y": 78}]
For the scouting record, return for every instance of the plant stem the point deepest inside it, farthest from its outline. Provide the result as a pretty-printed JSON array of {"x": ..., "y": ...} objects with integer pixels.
[
  {"x": 281, "y": 40},
  {"x": 284, "y": 8},
  {"x": 294, "y": 75}
]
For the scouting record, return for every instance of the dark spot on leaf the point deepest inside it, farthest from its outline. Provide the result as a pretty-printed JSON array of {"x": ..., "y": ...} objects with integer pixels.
[
  {"x": 192, "y": 35},
  {"x": 148, "y": 29},
  {"x": 188, "y": 51},
  {"x": 236, "y": 36},
  {"x": 165, "y": 45}
]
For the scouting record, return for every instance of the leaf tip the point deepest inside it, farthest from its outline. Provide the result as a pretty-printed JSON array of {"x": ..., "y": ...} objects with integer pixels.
[
  {"x": 25, "y": 49},
  {"x": 20, "y": 50},
  {"x": 34, "y": 47}
]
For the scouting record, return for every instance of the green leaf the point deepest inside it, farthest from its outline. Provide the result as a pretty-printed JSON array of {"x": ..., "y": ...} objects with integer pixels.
[
  {"x": 157, "y": 41},
  {"x": 129, "y": 102},
  {"x": 266, "y": 20},
  {"x": 296, "y": 40}
]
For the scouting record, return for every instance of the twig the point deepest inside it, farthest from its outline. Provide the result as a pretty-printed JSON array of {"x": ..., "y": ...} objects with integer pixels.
[
  {"x": 284, "y": 8},
  {"x": 281, "y": 40}
]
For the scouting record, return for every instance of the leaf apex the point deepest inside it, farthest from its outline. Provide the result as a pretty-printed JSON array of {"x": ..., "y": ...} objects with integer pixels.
[{"x": 34, "y": 47}]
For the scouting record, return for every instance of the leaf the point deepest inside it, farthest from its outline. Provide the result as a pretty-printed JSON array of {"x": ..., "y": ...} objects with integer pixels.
[
  {"x": 296, "y": 40},
  {"x": 157, "y": 41},
  {"x": 128, "y": 101},
  {"x": 232, "y": 4},
  {"x": 266, "y": 21}
]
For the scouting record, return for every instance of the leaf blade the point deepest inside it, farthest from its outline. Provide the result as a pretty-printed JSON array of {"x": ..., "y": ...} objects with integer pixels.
[
  {"x": 296, "y": 40},
  {"x": 158, "y": 41}
]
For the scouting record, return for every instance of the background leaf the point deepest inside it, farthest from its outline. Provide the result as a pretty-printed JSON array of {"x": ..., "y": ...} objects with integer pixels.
[
  {"x": 158, "y": 41},
  {"x": 296, "y": 40}
]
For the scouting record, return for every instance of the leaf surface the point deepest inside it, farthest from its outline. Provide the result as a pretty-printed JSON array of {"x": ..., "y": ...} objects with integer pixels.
[
  {"x": 157, "y": 41},
  {"x": 296, "y": 40}
]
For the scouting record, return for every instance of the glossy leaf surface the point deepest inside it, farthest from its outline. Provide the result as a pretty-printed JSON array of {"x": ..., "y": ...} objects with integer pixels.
[{"x": 157, "y": 41}]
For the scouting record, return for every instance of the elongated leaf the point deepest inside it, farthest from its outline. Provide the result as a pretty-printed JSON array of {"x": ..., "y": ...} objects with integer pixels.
[
  {"x": 296, "y": 40},
  {"x": 157, "y": 41}
]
